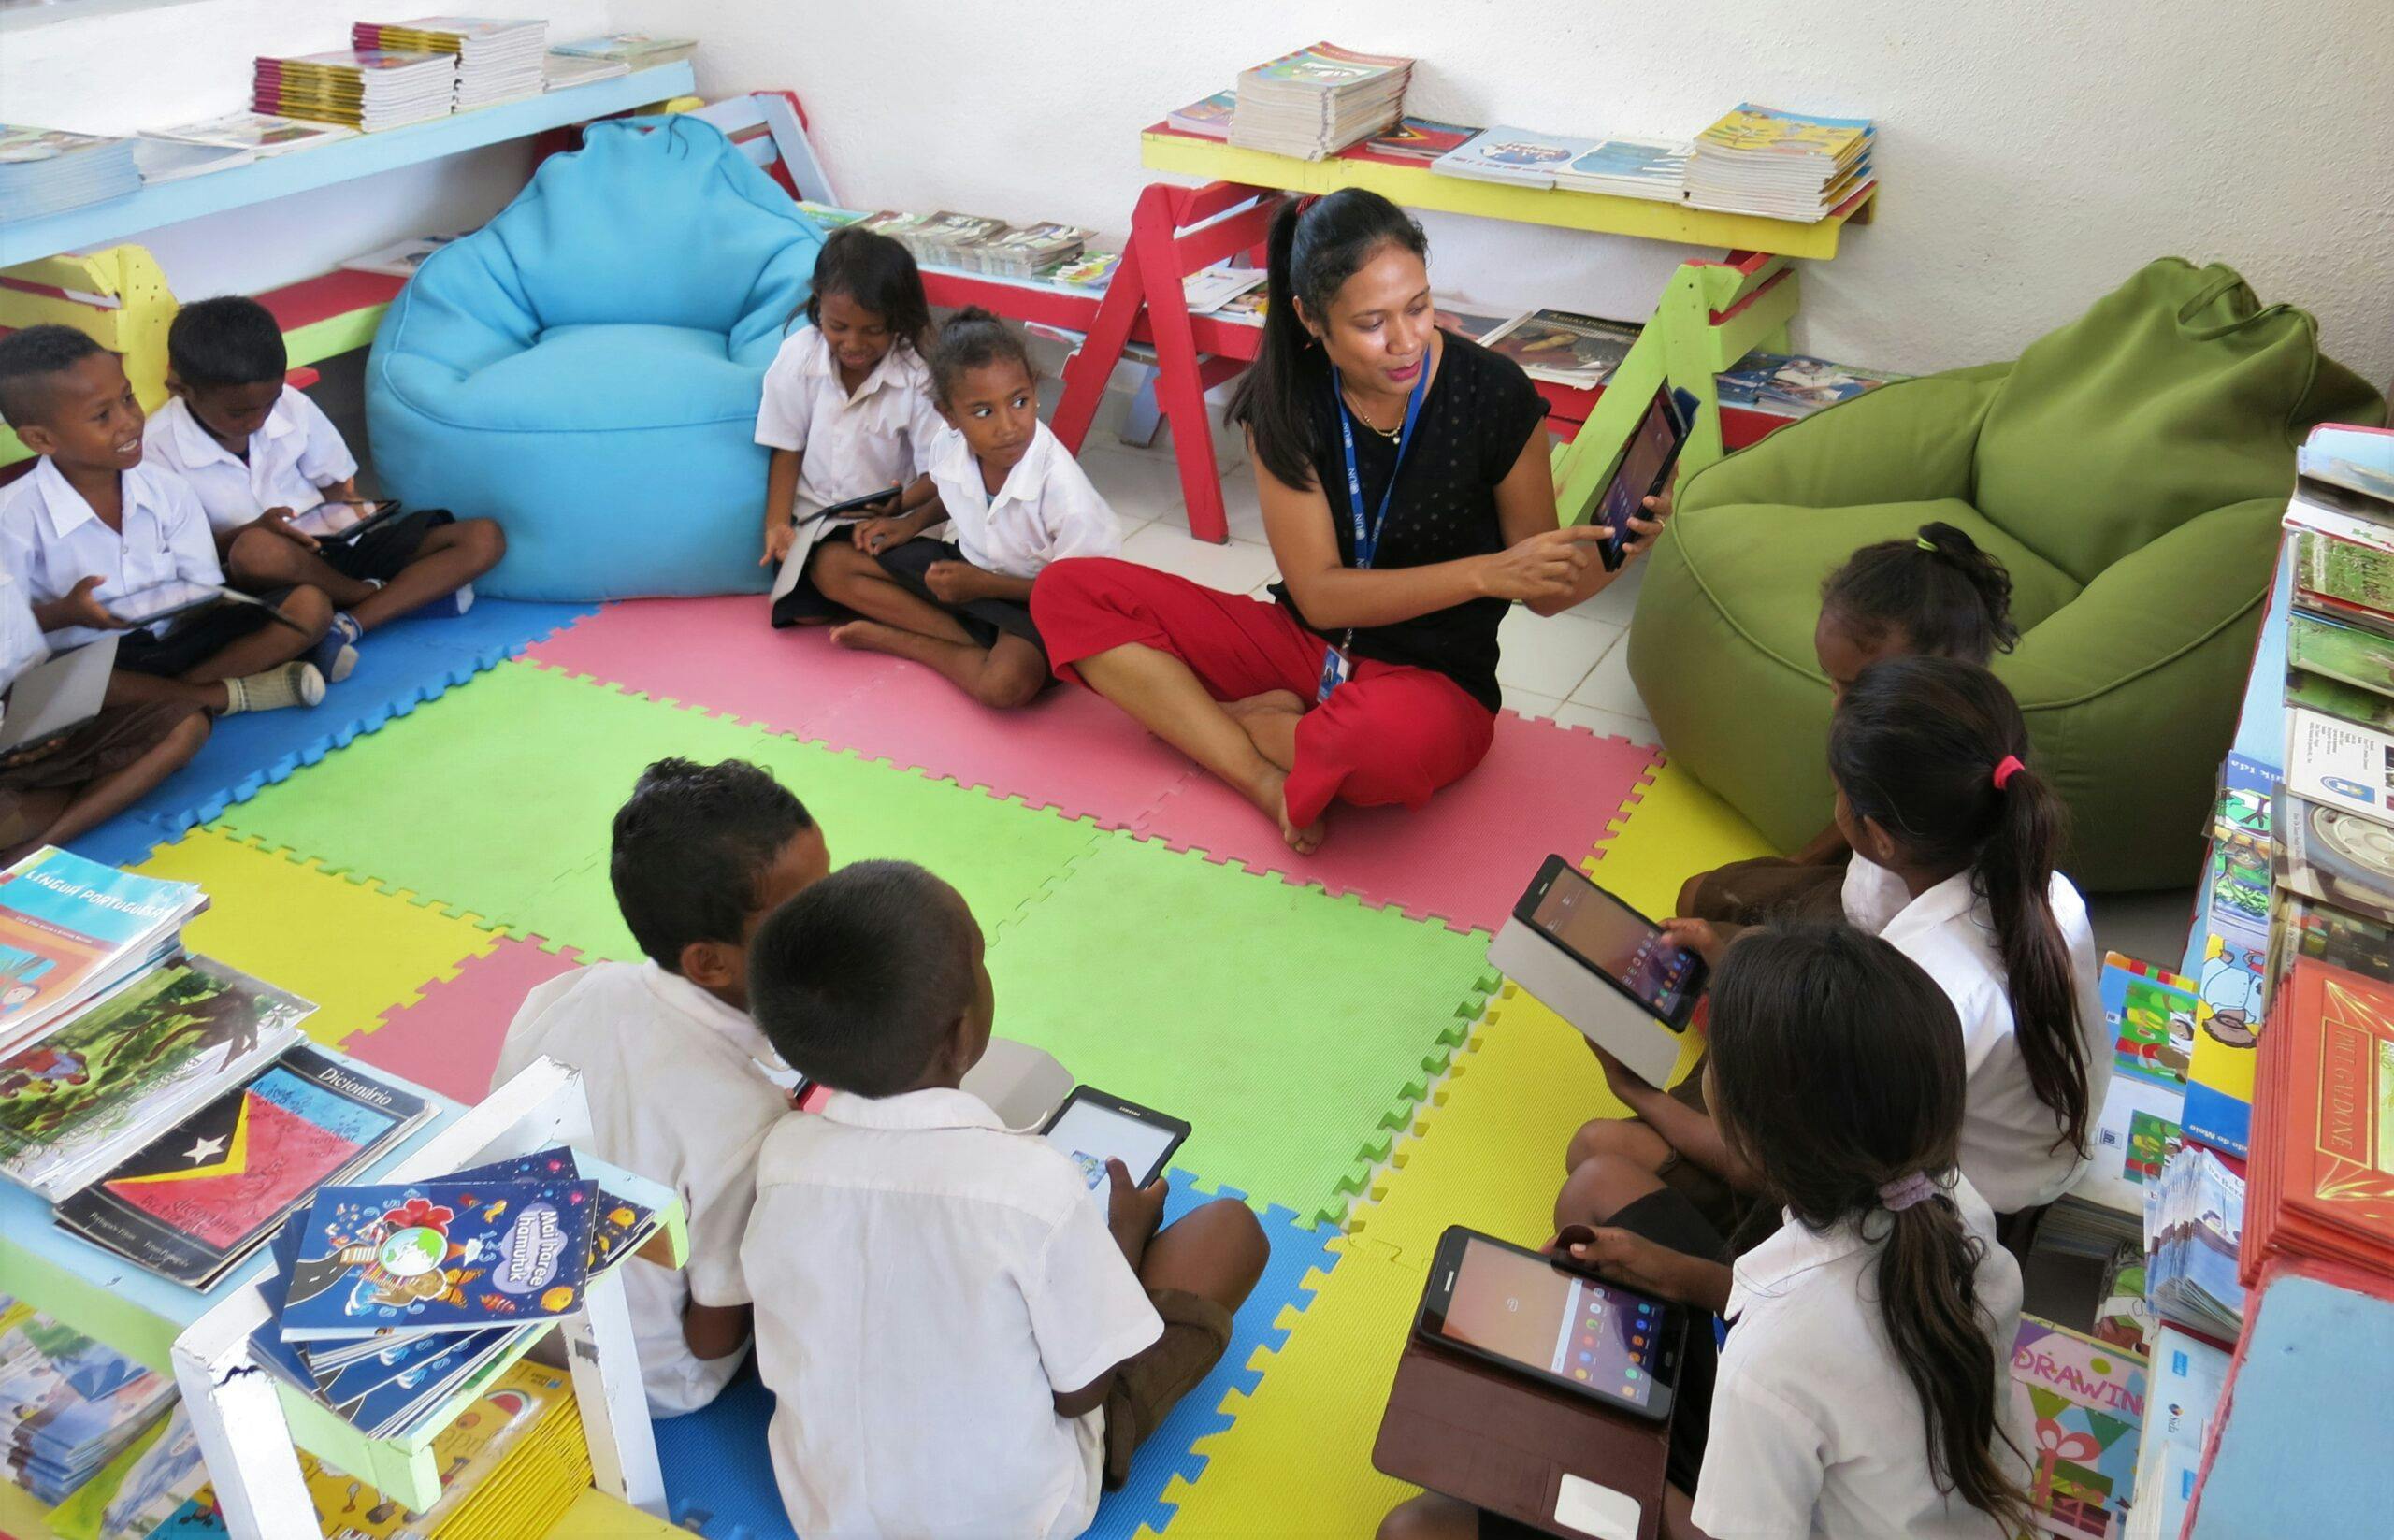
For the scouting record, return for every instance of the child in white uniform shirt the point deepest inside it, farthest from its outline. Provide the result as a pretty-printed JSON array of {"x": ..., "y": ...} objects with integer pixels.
[
  {"x": 1955, "y": 841},
  {"x": 1864, "y": 1392},
  {"x": 1015, "y": 501},
  {"x": 258, "y": 452},
  {"x": 963, "y": 1338},
  {"x": 846, "y": 409},
  {"x": 91, "y": 522},
  {"x": 673, "y": 1064}
]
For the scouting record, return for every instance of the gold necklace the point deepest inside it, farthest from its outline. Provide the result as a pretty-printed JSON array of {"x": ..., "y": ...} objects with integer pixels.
[{"x": 1391, "y": 434}]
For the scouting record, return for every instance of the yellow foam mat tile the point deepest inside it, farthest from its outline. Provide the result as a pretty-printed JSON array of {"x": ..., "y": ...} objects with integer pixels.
[
  {"x": 1676, "y": 830},
  {"x": 1296, "y": 1460},
  {"x": 354, "y": 950}
]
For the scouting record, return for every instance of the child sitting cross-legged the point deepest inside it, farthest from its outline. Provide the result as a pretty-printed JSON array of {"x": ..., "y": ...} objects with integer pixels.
[
  {"x": 669, "y": 1058},
  {"x": 965, "y": 1340},
  {"x": 1013, "y": 499},
  {"x": 93, "y": 522},
  {"x": 259, "y": 452}
]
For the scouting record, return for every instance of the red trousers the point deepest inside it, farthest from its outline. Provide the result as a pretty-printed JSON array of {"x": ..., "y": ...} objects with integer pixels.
[{"x": 1392, "y": 733}]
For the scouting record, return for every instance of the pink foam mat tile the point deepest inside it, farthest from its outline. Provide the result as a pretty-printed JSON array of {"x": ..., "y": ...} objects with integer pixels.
[
  {"x": 1068, "y": 750},
  {"x": 1463, "y": 859},
  {"x": 449, "y": 1039}
]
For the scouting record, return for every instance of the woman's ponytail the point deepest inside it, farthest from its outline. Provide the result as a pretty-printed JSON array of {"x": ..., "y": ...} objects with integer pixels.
[
  {"x": 1314, "y": 247},
  {"x": 1928, "y": 1297}
]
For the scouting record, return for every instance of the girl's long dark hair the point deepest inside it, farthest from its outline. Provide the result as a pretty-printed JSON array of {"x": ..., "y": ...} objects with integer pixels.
[
  {"x": 1314, "y": 248},
  {"x": 1837, "y": 1069},
  {"x": 1947, "y": 596},
  {"x": 1915, "y": 745},
  {"x": 878, "y": 274}
]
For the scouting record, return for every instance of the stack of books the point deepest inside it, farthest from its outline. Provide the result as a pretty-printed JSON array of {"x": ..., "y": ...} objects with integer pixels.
[
  {"x": 1654, "y": 169},
  {"x": 364, "y": 88},
  {"x": 1794, "y": 385},
  {"x": 68, "y": 1405},
  {"x": 632, "y": 49},
  {"x": 1207, "y": 118},
  {"x": 1523, "y": 157},
  {"x": 1417, "y": 141},
  {"x": 1566, "y": 348},
  {"x": 2194, "y": 1222},
  {"x": 2086, "y": 1399},
  {"x": 387, "y": 1301},
  {"x": 497, "y": 61},
  {"x": 49, "y": 170},
  {"x": 262, "y": 133},
  {"x": 1792, "y": 165},
  {"x": 1319, "y": 100},
  {"x": 2184, "y": 1378},
  {"x": 72, "y": 929},
  {"x": 1023, "y": 251},
  {"x": 2150, "y": 1021},
  {"x": 2317, "y": 1187}
]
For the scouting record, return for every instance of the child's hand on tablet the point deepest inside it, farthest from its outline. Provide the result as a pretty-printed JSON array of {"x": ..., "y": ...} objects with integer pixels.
[
  {"x": 1651, "y": 1268},
  {"x": 1132, "y": 1213},
  {"x": 1706, "y": 939},
  {"x": 276, "y": 520}
]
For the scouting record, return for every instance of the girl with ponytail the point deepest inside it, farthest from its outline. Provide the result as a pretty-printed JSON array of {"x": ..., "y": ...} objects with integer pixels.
[
  {"x": 1864, "y": 1392},
  {"x": 1405, "y": 485}
]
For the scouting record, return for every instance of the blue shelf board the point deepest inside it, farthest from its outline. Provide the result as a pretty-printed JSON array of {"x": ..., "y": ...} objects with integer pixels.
[{"x": 101, "y": 225}]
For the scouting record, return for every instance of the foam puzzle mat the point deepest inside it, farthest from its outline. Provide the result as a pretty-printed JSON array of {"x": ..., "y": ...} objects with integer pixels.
[{"x": 424, "y": 849}]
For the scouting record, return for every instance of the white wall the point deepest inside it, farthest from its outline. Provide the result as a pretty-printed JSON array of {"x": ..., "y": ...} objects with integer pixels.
[
  {"x": 112, "y": 70},
  {"x": 2035, "y": 152}
]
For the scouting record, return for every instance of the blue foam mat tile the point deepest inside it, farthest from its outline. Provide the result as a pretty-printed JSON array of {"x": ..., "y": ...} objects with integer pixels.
[
  {"x": 400, "y": 668},
  {"x": 718, "y": 1468}
]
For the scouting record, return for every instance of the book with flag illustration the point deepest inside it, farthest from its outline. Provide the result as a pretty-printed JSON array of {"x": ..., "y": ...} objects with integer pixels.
[
  {"x": 70, "y": 928},
  {"x": 2084, "y": 1401},
  {"x": 1414, "y": 140},
  {"x": 208, "y": 1192},
  {"x": 440, "y": 1256}
]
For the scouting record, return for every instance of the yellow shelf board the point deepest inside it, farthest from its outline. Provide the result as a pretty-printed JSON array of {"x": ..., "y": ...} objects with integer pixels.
[
  {"x": 596, "y": 1515},
  {"x": 1419, "y": 187}
]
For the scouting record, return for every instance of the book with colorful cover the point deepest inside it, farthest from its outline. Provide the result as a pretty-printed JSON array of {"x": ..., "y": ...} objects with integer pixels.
[
  {"x": 2356, "y": 654},
  {"x": 1752, "y": 129},
  {"x": 2340, "y": 764},
  {"x": 99, "y": 1086},
  {"x": 2135, "y": 1133},
  {"x": 1091, "y": 270},
  {"x": 2323, "y": 1185},
  {"x": 2084, "y": 1402},
  {"x": 1628, "y": 167},
  {"x": 2151, "y": 1013},
  {"x": 618, "y": 1226},
  {"x": 1207, "y": 118},
  {"x": 1566, "y": 348},
  {"x": 1523, "y": 157},
  {"x": 70, "y": 926},
  {"x": 2187, "y": 1377},
  {"x": 1474, "y": 322},
  {"x": 440, "y": 1256},
  {"x": 636, "y": 49},
  {"x": 201, "y": 1197},
  {"x": 68, "y": 1405},
  {"x": 1416, "y": 140},
  {"x": 2232, "y": 974}
]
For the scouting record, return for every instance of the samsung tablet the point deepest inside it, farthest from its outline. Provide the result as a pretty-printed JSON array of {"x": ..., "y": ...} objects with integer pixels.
[
  {"x": 343, "y": 521},
  {"x": 1093, "y": 1128},
  {"x": 1552, "y": 1322},
  {"x": 1644, "y": 469},
  {"x": 1613, "y": 941}
]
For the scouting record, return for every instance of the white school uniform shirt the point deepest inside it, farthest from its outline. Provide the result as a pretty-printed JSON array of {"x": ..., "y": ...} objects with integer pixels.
[
  {"x": 1047, "y": 510},
  {"x": 854, "y": 444},
  {"x": 20, "y": 641},
  {"x": 2008, "y": 1132},
  {"x": 927, "y": 1282},
  {"x": 51, "y": 540},
  {"x": 1816, "y": 1434},
  {"x": 293, "y": 456},
  {"x": 677, "y": 1095}
]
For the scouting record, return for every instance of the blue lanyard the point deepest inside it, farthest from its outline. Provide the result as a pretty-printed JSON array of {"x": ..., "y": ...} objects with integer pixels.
[{"x": 1367, "y": 537}]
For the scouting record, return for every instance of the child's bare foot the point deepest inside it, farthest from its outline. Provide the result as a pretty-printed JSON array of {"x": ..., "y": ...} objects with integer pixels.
[
  {"x": 1270, "y": 796},
  {"x": 863, "y": 636}
]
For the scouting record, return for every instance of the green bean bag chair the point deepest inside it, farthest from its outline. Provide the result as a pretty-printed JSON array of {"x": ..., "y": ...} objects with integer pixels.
[{"x": 2129, "y": 468}]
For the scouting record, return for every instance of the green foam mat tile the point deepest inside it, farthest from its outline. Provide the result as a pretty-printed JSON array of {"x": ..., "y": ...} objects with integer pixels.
[
  {"x": 495, "y": 800},
  {"x": 1293, "y": 1030}
]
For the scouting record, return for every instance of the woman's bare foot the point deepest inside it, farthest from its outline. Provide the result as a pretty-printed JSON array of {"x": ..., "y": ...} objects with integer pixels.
[{"x": 1270, "y": 796}]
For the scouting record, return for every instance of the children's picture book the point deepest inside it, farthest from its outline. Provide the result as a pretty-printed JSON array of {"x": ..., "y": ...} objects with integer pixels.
[
  {"x": 211, "y": 1190},
  {"x": 2185, "y": 1381},
  {"x": 1751, "y": 129},
  {"x": 636, "y": 49},
  {"x": 2340, "y": 650},
  {"x": 2151, "y": 1013},
  {"x": 2233, "y": 972},
  {"x": 2340, "y": 764},
  {"x": 2304, "y": 928},
  {"x": 1415, "y": 140},
  {"x": 440, "y": 1256},
  {"x": 2334, "y": 856},
  {"x": 1208, "y": 118},
  {"x": 69, "y": 927},
  {"x": 1565, "y": 348},
  {"x": 1209, "y": 289},
  {"x": 2193, "y": 1226},
  {"x": 103, "y": 1083},
  {"x": 1524, "y": 157},
  {"x": 68, "y": 1405},
  {"x": 619, "y": 1225},
  {"x": 1631, "y": 168},
  {"x": 1090, "y": 271},
  {"x": 563, "y": 71},
  {"x": 2134, "y": 1135},
  {"x": 2334, "y": 697},
  {"x": 134, "y": 1494},
  {"x": 2084, "y": 1401}
]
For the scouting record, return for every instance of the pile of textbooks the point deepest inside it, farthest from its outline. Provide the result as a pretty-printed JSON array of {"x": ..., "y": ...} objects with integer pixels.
[
  {"x": 2317, "y": 1188},
  {"x": 1792, "y": 165},
  {"x": 49, "y": 170},
  {"x": 975, "y": 243},
  {"x": 262, "y": 133},
  {"x": 387, "y": 1302},
  {"x": 2084, "y": 1398},
  {"x": 1025, "y": 251},
  {"x": 2194, "y": 1222},
  {"x": 2150, "y": 1015},
  {"x": 72, "y": 929},
  {"x": 1566, "y": 348},
  {"x": 498, "y": 61},
  {"x": 1654, "y": 169},
  {"x": 68, "y": 1405},
  {"x": 364, "y": 88},
  {"x": 1317, "y": 101},
  {"x": 1794, "y": 385}
]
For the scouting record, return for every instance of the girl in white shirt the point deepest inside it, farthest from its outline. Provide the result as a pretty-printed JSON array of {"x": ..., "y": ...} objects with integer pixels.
[
  {"x": 1013, "y": 499},
  {"x": 846, "y": 409},
  {"x": 1863, "y": 1392}
]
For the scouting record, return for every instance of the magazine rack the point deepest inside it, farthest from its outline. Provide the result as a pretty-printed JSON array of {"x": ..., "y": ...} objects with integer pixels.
[{"x": 251, "y": 1426}]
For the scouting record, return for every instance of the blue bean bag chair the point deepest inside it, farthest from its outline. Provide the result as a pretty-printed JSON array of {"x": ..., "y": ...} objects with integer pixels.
[{"x": 586, "y": 367}]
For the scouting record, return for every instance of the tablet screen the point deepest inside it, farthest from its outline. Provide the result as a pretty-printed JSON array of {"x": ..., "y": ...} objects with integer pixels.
[
  {"x": 1616, "y": 941},
  {"x": 1523, "y": 1309},
  {"x": 327, "y": 520},
  {"x": 1091, "y": 1132},
  {"x": 144, "y": 605},
  {"x": 1650, "y": 450}
]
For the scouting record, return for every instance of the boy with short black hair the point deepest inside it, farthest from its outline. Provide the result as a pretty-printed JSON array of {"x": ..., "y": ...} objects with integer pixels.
[
  {"x": 674, "y": 1069},
  {"x": 91, "y": 522},
  {"x": 963, "y": 1340},
  {"x": 258, "y": 452}
]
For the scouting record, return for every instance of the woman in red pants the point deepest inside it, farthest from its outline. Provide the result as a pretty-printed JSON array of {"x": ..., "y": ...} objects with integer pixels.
[{"x": 1406, "y": 495}]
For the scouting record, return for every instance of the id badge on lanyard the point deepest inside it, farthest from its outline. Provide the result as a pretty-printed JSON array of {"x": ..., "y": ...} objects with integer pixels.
[{"x": 1336, "y": 666}]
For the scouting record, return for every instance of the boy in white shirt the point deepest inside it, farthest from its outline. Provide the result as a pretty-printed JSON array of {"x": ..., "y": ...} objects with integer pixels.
[
  {"x": 258, "y": 452},
  {"x": 964, "y": 1339},
  {"x": 93, "y": 523},
  {"x": 1013, "y": 499},
  {"x": 674, "y": 1069}
]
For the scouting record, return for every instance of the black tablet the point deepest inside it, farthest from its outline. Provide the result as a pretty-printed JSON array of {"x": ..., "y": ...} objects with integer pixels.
[
  {"x": 1554, "y": 1322},
  {"x": 1093, "y": 1128},
  {"x": 1644, "y": 469}
]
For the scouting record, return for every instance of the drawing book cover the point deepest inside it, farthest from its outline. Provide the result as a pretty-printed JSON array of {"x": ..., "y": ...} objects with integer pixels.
[
  {"x": 441, "y": 1254},
  {"x": 63, "y": 920},
  {"x": 2083, "y": 1402},
  {"x": 145, "y": 1053},
  {"x": 2152, "y": 1015},
  {"x": 210, "y": 1190}
]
